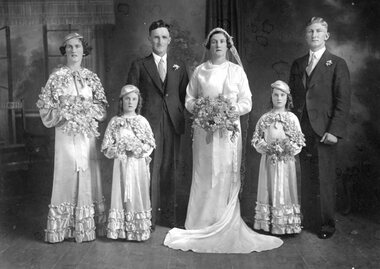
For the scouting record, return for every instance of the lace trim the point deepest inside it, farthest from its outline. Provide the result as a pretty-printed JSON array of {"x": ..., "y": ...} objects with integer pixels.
[
  {"x": 285, "y": 219},
  {"x": 129, "y": 225},
  {"x": 67, "y": 220}
]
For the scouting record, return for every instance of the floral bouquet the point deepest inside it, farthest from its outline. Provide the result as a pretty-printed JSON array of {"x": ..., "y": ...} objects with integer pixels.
[
  {"x": 131, "y": 145},
  {"x": 216, "y": 114},
  {"x": 137, "y": 141},
  {"x": 280, "y": 150},
  {"x": 80, "y": 114}
]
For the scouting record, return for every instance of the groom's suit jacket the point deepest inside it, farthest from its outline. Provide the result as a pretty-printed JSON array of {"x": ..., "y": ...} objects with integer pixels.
[
  {"x": 326, "y": 93},
  {"x": 159, "y": 97}
]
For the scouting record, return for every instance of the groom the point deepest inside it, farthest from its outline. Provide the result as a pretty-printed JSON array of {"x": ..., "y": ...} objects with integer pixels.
[
  {"x": 162, "y": 82},
  {"x": 320, "y": 83}
]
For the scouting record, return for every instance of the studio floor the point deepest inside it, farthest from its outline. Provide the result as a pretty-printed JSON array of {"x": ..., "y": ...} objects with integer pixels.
[
  {"x": 23, "y": 212},
  {"x": 356, "y": 244}
]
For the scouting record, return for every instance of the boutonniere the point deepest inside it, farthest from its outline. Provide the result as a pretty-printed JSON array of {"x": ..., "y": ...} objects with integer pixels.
[
  {"x": 328, "y": 63},
  {"x": 175, "y": 66}
]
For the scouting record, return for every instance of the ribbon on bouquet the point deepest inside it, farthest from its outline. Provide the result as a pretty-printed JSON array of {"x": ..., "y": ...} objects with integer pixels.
[
  {"x": 278, "y": 182},
  {"x": 126, "y": 174},
  {"x": 220, "y": 163},
  {"x": 82, "y": 148}
]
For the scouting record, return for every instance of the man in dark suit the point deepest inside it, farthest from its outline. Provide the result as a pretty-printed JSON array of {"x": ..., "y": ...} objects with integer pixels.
[
  {"x": 162, "y": 81},
  {"x": 320, "y": 83}
]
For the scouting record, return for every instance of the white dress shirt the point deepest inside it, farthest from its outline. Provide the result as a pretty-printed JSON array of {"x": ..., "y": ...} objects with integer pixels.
[
  {"x": 157, "y": 59},
  {"x": 317, "y": 56}
]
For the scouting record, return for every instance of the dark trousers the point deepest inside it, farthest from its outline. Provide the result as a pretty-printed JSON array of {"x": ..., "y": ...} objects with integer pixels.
[
  {"x": 318, "y": 165},
  {"x": 164, "y": 171}
]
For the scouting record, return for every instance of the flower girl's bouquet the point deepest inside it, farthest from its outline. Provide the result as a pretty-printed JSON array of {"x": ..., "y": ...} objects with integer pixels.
[
  {"x": 212, "y": 114},
  {"x": 135, "y": 142},
  {"x": 131, "y": 146},
  {"x": 80, "y": 114},
  {"x": 280, "y": 150}
]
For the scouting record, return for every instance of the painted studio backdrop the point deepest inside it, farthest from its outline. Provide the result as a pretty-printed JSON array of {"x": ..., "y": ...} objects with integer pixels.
[{"x": 269, "y": 35}]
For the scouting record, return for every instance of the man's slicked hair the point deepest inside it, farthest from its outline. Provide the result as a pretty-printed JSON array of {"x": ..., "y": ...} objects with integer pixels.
[{"x": 158, "y": 24}]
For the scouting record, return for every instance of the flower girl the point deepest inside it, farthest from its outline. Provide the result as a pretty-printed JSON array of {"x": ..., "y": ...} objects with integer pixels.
[
  {"x": 278, "y": 137},
  {"x": 129, "y": 141}
]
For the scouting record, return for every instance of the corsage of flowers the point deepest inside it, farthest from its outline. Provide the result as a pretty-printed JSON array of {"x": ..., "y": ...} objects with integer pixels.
[
  {"x": 328, "y": 63},
  {"x": 216, "y": 114},
  {"x": 175, "y": 66}
]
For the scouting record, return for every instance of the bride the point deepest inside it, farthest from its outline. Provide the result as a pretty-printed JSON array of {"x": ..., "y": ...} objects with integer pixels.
[{"x": 213, "y": 222}]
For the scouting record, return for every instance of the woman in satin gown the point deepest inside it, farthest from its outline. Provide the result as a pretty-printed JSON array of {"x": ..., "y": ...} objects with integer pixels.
[
  {"x": 213, "y": 223},
  {"x": 77, "y": 203}
]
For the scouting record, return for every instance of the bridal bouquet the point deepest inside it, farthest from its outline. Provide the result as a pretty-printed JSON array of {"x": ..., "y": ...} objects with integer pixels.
[
  {"x": 80, "y": 114},
  {"x": 212, "y": 114},
  {"x": 280, "y": 150}
]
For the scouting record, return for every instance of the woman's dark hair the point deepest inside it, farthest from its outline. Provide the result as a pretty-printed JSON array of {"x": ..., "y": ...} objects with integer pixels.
[
  {"x": 158, "y": 24},
  {"x": 86, "y": 48},
  {"x": 120, "y": 110},
  {"x": 229, "y": 45},
  {"x": 289, "y": 102}
]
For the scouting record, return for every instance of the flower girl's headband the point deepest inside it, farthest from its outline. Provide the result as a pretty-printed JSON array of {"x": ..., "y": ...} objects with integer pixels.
[
  {"x": 128, "y": 89},
  {"x": 280, "y": 85}
]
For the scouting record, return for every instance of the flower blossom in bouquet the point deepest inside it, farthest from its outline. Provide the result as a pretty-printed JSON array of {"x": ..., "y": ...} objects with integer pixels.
[
  {"x": 130, "y": 145},
  {"x": 281, "y": 150},
  {"x": 212, "y": 114},
  {"x": 80, "y": 113}
]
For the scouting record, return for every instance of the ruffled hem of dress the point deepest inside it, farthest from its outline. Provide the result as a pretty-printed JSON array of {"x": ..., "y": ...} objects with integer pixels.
[
  {"x": 67, "y": 220},
  {"x": 285, "y": 219},
  {"x": 132, "y": 226}
]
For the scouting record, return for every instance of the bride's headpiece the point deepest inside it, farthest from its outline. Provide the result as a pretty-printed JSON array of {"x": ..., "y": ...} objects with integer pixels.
[{"x": 230, "y": 44}]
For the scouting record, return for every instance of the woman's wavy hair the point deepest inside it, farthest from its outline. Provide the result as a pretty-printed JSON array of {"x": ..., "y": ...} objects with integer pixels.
[
  {"x": 86, "y": 48},
  {"x": 228, "y": 39}
]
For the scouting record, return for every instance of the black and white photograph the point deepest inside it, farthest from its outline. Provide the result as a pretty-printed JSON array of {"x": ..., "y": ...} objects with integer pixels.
[{"x": 189, "y": 134}]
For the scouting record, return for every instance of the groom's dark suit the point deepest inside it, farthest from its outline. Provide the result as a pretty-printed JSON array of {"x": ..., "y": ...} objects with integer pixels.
[
  {"x": 322, "y": 102},
  {"x": 163, "y": 106}
]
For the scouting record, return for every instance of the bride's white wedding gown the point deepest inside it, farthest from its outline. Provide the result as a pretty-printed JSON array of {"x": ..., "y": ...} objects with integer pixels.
[{"x": 213, "y": 222}]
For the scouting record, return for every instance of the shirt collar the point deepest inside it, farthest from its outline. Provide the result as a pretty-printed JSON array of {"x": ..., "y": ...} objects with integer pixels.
[
  {"x": 318, "y": 54},
  {"x": 158, "y": 58}
]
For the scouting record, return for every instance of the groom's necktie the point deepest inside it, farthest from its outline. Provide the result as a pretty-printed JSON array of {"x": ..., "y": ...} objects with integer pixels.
[
  {"x": 310, "y": 66},
  {"x": 161, "y": 70}
]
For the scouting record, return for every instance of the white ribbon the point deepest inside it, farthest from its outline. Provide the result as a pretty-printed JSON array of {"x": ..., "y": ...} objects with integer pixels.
[
  {"x": 127, "y": 177},
  {"x": 81, "y": 151}
]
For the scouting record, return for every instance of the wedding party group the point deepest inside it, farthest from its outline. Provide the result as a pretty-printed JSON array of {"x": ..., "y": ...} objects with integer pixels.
[{"x": 307, "y": 116}]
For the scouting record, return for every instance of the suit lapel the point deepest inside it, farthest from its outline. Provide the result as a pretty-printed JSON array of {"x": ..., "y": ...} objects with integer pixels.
[
  {"x": 171, "y": 73},
  {"x": 319, "y": 69},
  {"x": 302, "y": 65},
  {"x": 151, "y": 68}
]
